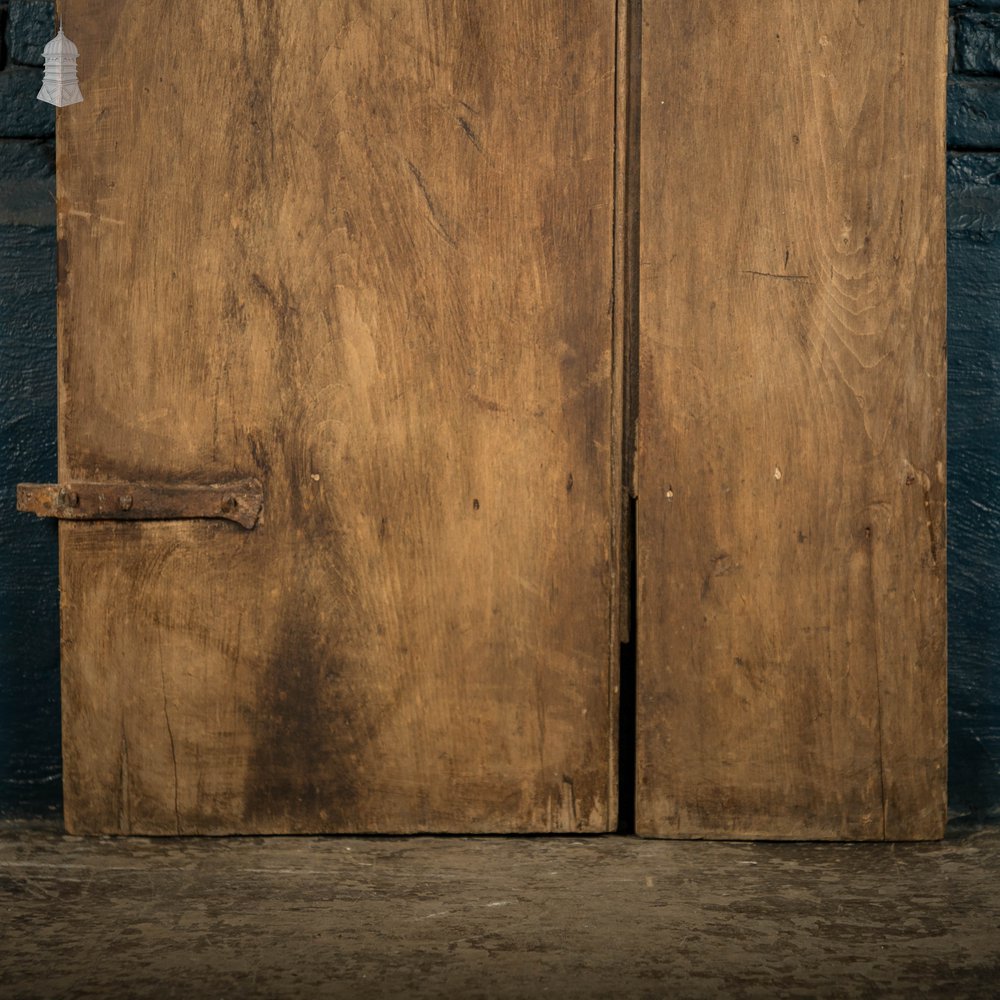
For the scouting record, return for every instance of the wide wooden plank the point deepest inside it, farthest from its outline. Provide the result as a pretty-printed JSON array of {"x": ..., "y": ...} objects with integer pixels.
[
  {"x": 791, "y": 477},
  {"x": 361, "y": 252}
]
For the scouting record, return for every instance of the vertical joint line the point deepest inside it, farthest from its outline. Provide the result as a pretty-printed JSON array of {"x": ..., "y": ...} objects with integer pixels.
[
  {"x": 625, "y": 308},
  {"x": 631, "y": 241},
  {"x": 625, "y": 299}
]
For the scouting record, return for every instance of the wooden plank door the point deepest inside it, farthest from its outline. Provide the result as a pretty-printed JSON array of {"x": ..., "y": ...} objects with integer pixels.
[
  {"x": 362, "y": 252},
  {"x": 790, "y": 468}
]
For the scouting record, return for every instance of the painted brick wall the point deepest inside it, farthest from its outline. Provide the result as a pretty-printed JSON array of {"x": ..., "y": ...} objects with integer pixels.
[
  {"x": 974, "y": 409},
  {"x": 29, "y": 618},
  {"x": 29, "y": 731}
]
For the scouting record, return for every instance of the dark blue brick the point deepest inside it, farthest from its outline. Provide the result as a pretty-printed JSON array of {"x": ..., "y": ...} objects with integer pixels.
[
  {"x": 21, "y": 114},
  {"x": 27, "y": 182},
  {"x": 27, "y": 203},
  {"x": 974, "y": 193},
  {"x": 30, "y": 26},
  {"x": 974, "y": 113},
  {"x": 977, "y": 44},
  {"x": 26, "y": 159}
]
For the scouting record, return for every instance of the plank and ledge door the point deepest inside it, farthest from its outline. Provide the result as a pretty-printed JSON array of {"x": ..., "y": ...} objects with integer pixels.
[
  {"x": 790, "y": 466},
  {"x": 361, "y": 252}
]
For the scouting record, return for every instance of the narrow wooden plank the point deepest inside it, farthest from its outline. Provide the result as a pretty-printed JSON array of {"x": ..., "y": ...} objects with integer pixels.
[
  {"x": 362, "y": 252},
  {"x": 791, "y": 474}
]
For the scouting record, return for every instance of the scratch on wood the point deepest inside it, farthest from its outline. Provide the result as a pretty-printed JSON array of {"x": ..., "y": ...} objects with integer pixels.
[
  {"x": 79, "y": 213},
  {"x": 930, "y": 523},
  {"x": 877, "y": 671},
  {"x": 173, "y": 746},
  {"x": 431, "y": 207},
  {"x": 780, "y": 277},
  {"x": 467, "y": 129},
  {"x": 125, "y": 802},
  {"x": 569, "y": 801}
]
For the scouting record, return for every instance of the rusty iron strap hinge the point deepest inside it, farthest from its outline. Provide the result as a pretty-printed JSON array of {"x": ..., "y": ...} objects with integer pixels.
[{"x": 239, "y": 501}]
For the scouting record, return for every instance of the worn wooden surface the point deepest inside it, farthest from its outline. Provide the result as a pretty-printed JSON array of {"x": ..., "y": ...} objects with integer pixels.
[
  {"x": 791, "y": 478},
  {"x": 362, "y": 252},
  {"x": 503, "y": 917}
]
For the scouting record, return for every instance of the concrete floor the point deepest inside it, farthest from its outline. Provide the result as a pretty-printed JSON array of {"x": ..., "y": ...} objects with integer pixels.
[{"x": 452, "y": 917}]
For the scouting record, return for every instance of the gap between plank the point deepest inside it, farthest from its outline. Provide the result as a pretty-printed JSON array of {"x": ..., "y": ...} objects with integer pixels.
[{"x": 625, "y": 302}]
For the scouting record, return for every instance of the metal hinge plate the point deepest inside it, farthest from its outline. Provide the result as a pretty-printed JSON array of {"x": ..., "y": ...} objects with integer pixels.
[{"x": 238, "y": 501}]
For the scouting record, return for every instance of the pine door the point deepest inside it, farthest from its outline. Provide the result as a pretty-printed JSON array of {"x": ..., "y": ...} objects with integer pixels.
[
  {"x": 374, "y": 318},
  {"x": 360, "y": 253}
]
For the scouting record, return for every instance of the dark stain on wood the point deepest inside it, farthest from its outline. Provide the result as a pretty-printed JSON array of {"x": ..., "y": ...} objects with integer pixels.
[{"x": 293, "y": 783}]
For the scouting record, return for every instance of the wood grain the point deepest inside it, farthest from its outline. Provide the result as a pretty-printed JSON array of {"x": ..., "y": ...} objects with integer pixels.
[
  {"x": 791, "y": 478},
  {"x": 362, "y": 252}
]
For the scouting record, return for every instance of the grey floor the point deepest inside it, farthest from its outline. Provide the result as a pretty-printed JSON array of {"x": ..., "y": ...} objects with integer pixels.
[{"x": 453, "y": 917}]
